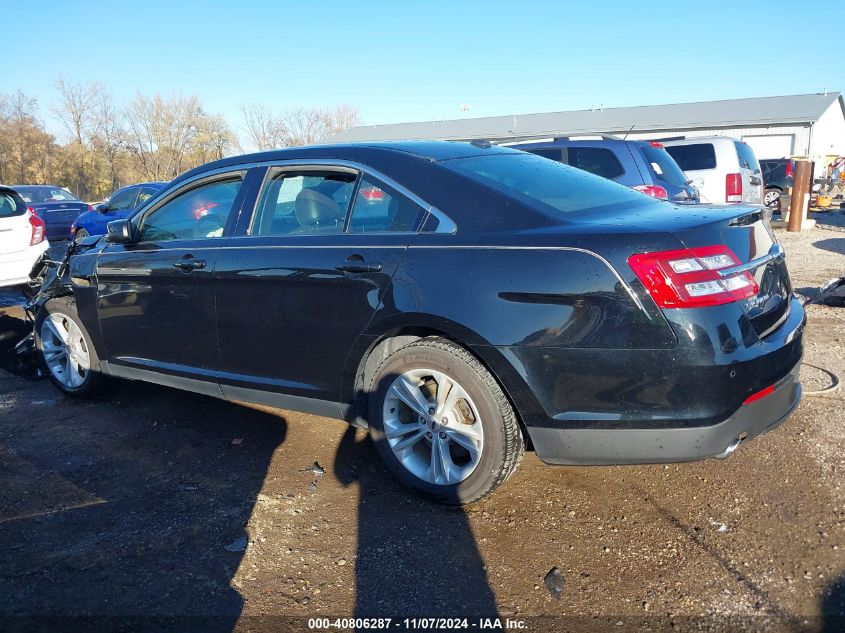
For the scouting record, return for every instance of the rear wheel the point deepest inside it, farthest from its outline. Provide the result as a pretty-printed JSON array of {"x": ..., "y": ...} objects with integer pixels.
[
  {"x": 772, "y": 198},
  {"x": 65, "y": 351},
  {"x": 442, "y": 424}
]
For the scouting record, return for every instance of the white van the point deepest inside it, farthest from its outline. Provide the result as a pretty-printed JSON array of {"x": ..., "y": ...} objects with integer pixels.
[{"x": 723, "y": 168}]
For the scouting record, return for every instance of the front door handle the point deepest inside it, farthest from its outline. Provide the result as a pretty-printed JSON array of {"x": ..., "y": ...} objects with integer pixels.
[{"x": 188, "y": 265}]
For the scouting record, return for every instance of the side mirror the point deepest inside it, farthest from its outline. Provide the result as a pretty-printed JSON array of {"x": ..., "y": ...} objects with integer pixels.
[
  {"x": 119, "y": 232},
  {"x": 101, "y": 208}
]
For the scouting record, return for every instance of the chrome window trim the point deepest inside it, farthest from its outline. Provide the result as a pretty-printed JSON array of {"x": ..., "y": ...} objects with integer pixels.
[{"x": 776, "y": 252}]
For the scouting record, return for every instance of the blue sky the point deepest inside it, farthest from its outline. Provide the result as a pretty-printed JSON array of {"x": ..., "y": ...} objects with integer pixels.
[{"x": 413, "y": 60}]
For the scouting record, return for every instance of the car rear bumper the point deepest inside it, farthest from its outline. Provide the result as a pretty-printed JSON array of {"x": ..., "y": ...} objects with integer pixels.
[
  {"x": 593, "y": 446},
  {"x": 15, "y": 267}
]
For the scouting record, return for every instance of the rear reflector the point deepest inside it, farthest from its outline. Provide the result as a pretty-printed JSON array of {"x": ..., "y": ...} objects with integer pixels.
[
  {"x": 760, "y": 394},
  {"x": 37, "y": 225},
  {"x": 733, "y": 188},
  {"x": 689, "y": 278},
  {"x": 789, "y": 171},
  {"x": 655, "y": 191}
]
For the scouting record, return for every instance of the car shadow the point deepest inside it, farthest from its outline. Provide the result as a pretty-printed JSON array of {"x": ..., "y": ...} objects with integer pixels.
[
  {"x": 832, "y": 244},
  {"x": 833, "y": 607},
  {"x": 414, "y": 557},
  {"x": 131, "y": 511}
]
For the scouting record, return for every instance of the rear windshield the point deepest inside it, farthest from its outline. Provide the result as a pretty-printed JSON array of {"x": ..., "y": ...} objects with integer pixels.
[
  {"x": 10, "y": 206},
  {"x": 774, "y": 169},
  {"x": 747, "y": 159},
  {"x": 693, "y": 157},
  {"x": 45, "y": 194},
  {"x": 532, "y": 180},
  {"x": 663, "y": 165}
]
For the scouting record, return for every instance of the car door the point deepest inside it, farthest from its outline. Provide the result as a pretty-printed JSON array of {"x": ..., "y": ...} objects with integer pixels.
[
  {"x": 155, "y": 306},
  {"x": 303, "y": 279}
]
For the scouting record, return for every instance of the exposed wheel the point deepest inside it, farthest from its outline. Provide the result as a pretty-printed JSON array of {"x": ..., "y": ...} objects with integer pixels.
[
  {"x": 772, "y": 198},
  {"x": 80, "y": 234},
  {"x": 65, "y": 351},
  {"x": 441, "y": 422}
]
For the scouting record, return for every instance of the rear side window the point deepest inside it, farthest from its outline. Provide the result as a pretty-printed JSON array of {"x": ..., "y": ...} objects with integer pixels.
[
  {"x": 146, "y": 194},
  {"x": 379, "y": 208},
  {"x": 544, "y": 184},
  {"x": 747, "y": 159},
  {"x": 123, "y": 199},
  {"x": 551, "y": 154},
  {"x": 297, "y": 203},
  {"x": 662, "y": 165},
  {"x": 693, "y": 157},
  {"x": 10, "y": 206},
  {"x": 596, "y": 160}
]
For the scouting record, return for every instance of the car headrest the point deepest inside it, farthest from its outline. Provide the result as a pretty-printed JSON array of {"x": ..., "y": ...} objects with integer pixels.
[{"x": 316, "y": 209}]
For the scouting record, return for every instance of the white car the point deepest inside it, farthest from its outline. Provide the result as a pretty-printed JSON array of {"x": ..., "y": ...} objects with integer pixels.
[
  {"x": 723, "y": 169},
  {"x": 22, "y": 239}
]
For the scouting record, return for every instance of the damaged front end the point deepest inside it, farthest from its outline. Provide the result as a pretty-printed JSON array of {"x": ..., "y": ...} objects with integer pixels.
[{"x": 50, "y": 277}]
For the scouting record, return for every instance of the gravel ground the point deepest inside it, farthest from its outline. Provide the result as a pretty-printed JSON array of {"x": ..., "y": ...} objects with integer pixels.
[{"x": 165, "y": 509}]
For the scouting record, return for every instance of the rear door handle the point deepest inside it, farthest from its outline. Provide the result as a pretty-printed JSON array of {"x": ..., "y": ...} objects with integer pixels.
[
  {"x": 358, "y": 267},
  {"x": 189, "y": 264}
]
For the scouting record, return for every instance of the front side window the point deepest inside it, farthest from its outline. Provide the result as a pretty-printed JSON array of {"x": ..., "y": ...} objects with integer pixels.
[
  {"x": 146, "y": 194},
  {"x": 596, "y": 160},
  {"x": 201, "y": 212},
  {"x": 379, "y": 208},
  {"x": 307, "y": 202},
  {"x": 122, "y": 200},
  {"x": 694, "y": 156}
]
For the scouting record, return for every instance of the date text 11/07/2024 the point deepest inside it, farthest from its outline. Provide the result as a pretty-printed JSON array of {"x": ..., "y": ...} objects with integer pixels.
[{"x": 416, "y": 624}]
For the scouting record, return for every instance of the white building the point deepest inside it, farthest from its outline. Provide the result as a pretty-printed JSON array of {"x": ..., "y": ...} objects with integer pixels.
[{"x": 776, "y": 127}]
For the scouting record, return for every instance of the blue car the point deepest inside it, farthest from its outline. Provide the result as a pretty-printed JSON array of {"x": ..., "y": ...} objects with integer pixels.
[
  {"x": 642, "y": 165},
  {"x": 120, "y": 205},
  {"x": 57, "y": 206}
]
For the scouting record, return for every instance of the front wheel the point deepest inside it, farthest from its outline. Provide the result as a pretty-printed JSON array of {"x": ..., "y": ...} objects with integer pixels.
[
  {"x": 442, "y": 424},
  {"x": 65, "y": 351}
]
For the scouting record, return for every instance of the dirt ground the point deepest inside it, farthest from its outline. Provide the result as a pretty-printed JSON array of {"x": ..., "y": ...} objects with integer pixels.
[{"x": 152, "y": 508}]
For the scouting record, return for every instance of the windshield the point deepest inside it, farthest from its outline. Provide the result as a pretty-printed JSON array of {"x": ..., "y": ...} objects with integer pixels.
[
  {"x": 663, "y": 165},
  {"x": 532, "y": 179},
  {"x": 45, "y": 194}
]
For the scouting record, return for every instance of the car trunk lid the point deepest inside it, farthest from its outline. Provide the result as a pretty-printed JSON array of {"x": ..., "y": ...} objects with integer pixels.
[{"x": 748, "y": 236}]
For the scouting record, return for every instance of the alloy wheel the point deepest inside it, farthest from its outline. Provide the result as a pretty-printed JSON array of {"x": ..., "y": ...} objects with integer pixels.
[
  {"x": 65, "y": 351},
  {"x": 433, "y": 427}
]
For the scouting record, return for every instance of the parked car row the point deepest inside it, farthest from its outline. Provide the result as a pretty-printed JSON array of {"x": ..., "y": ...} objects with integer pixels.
[{"x": 459, "y": 300}]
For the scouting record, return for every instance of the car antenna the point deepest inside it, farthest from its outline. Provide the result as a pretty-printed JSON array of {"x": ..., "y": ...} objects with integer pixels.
[{"x": 628, "y": 132}]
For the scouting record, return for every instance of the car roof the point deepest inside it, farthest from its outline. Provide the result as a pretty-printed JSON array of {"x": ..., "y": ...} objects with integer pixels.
[
  {"x": 38, "y": 186},
  {"x": 700, "y": 139},
  {"x": 576, "y": 141},
  {"x": 428, "y": 151}
]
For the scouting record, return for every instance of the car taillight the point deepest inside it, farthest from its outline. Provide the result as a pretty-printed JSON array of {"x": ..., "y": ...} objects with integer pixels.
[
  {"x": 689, "y": 278},
  {"x": 90, "y": 207},
  {"x": 655, "y": 191},
  {"x": 789, "y": 169},
  {"x": 733, "y": 188},
  {"x": 372, "y": 194},
  {"x": 37, "y": 230},
  {"x": 656, "y": 144},
  {"x": 32, "y": 210}
]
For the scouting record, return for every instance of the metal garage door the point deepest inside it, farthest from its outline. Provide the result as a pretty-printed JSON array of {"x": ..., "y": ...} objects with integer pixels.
[{"x": 771, "y": 145}]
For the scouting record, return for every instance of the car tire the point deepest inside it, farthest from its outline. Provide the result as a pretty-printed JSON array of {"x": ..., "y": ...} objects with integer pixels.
[
  {"x": 455, "y": 450},
  {"x": 771, "y": 199},
  {"x": 80, "y": 234},
  {"x": 65, "y": 352}
]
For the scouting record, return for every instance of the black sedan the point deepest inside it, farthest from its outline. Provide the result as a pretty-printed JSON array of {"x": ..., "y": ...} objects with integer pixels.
[
  {"x": 459, "y": 300},
  {"x": 55, "y": 205}
]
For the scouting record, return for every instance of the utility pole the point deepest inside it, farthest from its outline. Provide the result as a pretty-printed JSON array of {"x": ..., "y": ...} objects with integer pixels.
[{"x": 800, "y": 203}]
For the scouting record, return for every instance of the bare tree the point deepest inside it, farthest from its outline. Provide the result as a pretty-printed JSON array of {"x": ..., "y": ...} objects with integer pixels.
[
  {"x": 109, "y": 136},
  {"x": 262, "y": 127},
  {"x": 76, "y": 109},
  {"x": 161, "y": 132},
  {"x": 23, "y": 142},
  {"x": 340, "y": 118}
]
